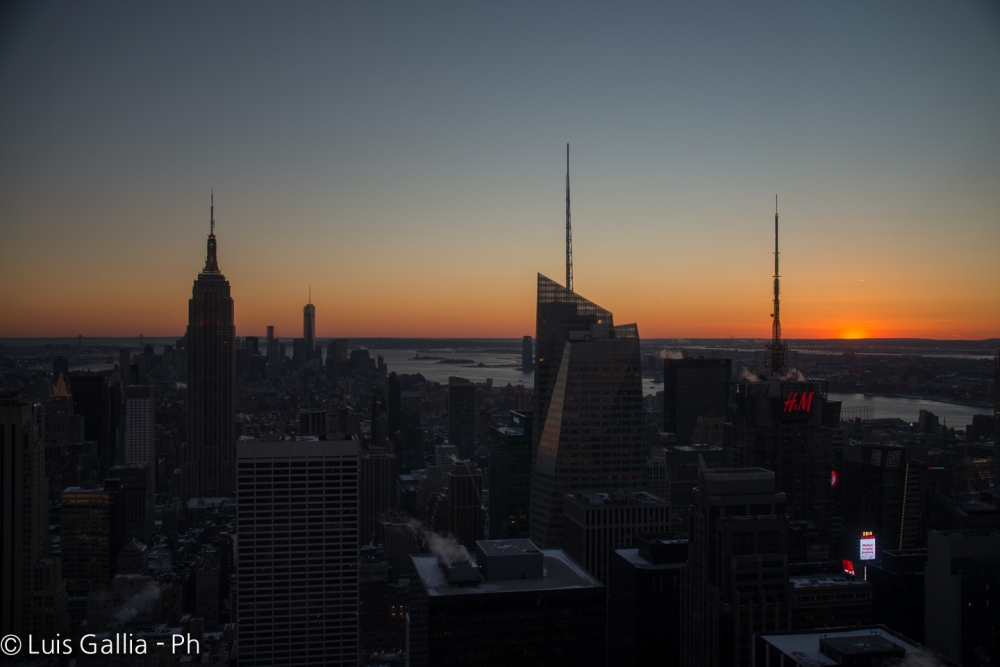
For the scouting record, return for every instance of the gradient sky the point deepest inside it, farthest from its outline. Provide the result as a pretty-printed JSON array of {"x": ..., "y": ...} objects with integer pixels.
[{"x": 407, "y": 161}]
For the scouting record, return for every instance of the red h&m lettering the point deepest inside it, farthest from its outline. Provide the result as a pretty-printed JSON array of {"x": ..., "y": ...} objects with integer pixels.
[{"x": 799, "y": 402}]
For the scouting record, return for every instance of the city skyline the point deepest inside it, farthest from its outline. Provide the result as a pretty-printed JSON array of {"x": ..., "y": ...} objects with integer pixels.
[{"x": 408, "y": 165}]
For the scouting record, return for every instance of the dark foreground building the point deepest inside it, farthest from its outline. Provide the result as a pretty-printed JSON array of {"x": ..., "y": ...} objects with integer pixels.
[
  {"x": 520, "y": 606},
  {"x": 644, "y": 603}
]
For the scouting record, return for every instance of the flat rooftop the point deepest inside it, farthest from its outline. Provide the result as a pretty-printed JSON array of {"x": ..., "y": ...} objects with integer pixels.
[
  {"x": 560, "y": 573},
  {"x": 805, "y": 645}
]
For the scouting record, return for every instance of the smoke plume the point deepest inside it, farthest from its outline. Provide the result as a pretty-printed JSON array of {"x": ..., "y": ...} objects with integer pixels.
[
  {"x": 447, "y": 548},
  {"x": 748, "y": 376},
  {"x": 141, "y": 602},
  {"x": 670, "y": 354}
]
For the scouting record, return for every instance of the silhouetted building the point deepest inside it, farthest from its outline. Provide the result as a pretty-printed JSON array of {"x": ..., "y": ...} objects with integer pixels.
[
  {"x": 693, "y": 388},
  {"x": 393, "y": 403},
  {"x": 465, "y": 503},
  {"x": 60, "y": 366},
  {"x": 377, "y": 492},
  {"x": 462, "y": 416},
  {"x": 140, "y": 426},
  {"x": 598, "y": 523},
  {"x": 682, "y": 463},
  {"x": 830, "y": 600},
  {"x": 133, "y": 485},
  {"x": 880, "y": 493},
  {"x": 309, "y": 329},
  {"x": 791, "y": 428},
  {"x": 208, "y": 466},
  {"x": 527, "y": 607},
  {"x": 312, "y": 422},
  {"x": 736, "y": 580},
  {"x": 588, "y": 406},
  {"x": 62, "y": 424},
  {"x": 897, "y": 580},
  {"x": 92, "y": 399},
  {"x": 644, "y": 601},
  {"x": 510, "y": 477},
  {"x": 32, "y": 591},
  {"x": 962, "y": 588},
  {"x": 527, "y": 355},
  {"x": 297, "y": 574},
  {"x": 93, "y": 531}
]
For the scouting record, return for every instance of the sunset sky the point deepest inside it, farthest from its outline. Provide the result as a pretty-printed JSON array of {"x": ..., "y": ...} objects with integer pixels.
[{"x": 407, "y": 161}]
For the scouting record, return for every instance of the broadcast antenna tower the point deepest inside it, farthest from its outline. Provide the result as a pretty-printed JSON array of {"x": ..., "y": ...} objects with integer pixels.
[
  {"x": 569, "y": 232},
  {"x": 777, "y": 347}
]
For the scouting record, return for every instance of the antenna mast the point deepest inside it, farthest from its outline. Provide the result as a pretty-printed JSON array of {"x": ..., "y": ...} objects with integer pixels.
[
  {"x": 777, "y": 347},
  {"x": 569, "y": 232},
  {"x": 212, "y": 213}
]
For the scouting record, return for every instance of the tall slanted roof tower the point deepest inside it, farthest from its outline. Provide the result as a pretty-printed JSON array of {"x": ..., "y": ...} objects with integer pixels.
[
  {"x": 588, "y": 413},
  {"x": 208, "y": 464}
]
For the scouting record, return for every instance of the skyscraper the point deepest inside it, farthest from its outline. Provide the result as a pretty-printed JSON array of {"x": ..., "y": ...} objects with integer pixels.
[
  {"x": 527, "y": 354},
  {"x": 693, "y": 388},
  {"x": 588, "y": 407},
  {"x": 297, "y": 573},
  {"x": 32, "y": 591},
  {"x": 140, "y": 425},
  {"x": 736, "y": 579},
  {"x": 462, "y": 416},
  {"x": 309, "y": 327},
  {"x": 208, "y": 469}
]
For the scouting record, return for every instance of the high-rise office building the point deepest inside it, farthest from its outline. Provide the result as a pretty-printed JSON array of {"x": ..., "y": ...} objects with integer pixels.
[
  {"x": 377, "y": 492},
  {"x": 791, "y": 428},
  {"x": 693, "y": 388},
  {"x": 644, "y": 601},
  {"x": 962, "y": 593},
  {"x": 309, "y": 327},
  {"x": 32, "y": 591},
  {"x": 208, "y": 466},
  {"x": 527, "y": 355},
  {"x": 520, "y": 606},
  {"x": 62, "y": 424},
  {"x": 140, "y": 426},
  {"x": 93, "y": 400},
  {"x": 297, "y": 569},
  {"x": 462, "y": 416},
  {"x": 93, "y": 530},
  {"x": 510, "y": 477},
  {"x": 589, "y": 418},
  {"x": 736, "y": 580},
  {"x": 135, "y": 497},
  {"x": 465, "y": 503},
  {"x": 598, "y": 523}
]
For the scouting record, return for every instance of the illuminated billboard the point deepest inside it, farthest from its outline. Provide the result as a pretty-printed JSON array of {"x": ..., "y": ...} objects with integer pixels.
[
  {"x": 867, "y": 546},
  {"x": 848, "y": 566}
]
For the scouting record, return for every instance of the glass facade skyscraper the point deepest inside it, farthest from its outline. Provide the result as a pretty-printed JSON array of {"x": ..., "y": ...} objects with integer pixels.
[{"x": 588, "y": 407}]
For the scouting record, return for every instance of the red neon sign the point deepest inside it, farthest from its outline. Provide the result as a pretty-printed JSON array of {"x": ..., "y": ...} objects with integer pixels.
[
  {"x": 834, "y": 478},
  {"x": 799, "y": 401},
  {"x": 848, "y": 566}
]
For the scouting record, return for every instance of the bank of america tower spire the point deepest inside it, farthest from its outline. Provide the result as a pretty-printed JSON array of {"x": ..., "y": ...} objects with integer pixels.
[{"x": 207, "y": 468}]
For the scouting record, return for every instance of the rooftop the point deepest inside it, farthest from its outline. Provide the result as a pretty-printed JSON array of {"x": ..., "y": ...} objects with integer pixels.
[
  {"x": 805, "y": 646},
  {"x": 560, "y": 573}
]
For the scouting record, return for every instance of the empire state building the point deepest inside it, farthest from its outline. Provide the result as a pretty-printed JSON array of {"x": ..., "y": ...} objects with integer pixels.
[{"x": 208, "y": 469}]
